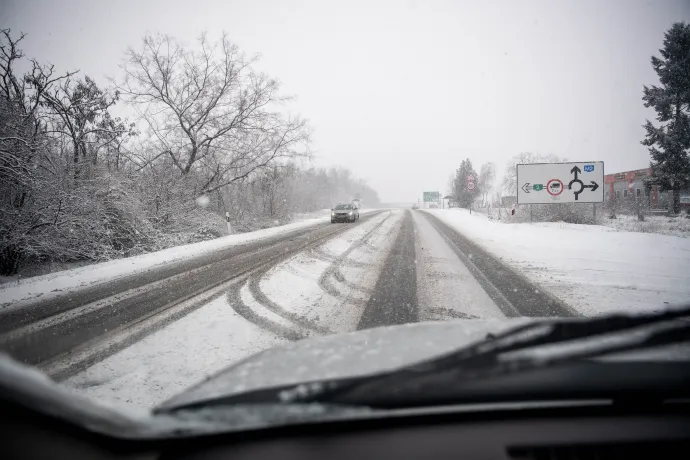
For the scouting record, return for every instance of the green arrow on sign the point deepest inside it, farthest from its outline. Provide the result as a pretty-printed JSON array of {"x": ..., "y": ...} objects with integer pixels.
[{"x": 538, "y": 187}]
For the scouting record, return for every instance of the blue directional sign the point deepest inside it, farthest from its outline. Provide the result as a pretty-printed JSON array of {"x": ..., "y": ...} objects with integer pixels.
[{"x": 589, "y": 168}]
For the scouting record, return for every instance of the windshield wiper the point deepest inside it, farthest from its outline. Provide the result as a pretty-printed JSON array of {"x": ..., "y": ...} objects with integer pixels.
[
  {"x": 490, "y": 358},
  {"x": 485, "y": 359}
]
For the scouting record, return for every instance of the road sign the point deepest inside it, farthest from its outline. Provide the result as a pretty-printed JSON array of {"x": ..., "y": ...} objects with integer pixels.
[
  {"x": 554, "y": 187},
  {"x": 470, "y": 186},
  {"x": 432, "y": 197},
  {"x": 548, "y": 183},
  {"x": 471, "y": 178}
]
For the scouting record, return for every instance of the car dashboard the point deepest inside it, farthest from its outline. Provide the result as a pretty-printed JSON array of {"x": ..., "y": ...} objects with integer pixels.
[{"x": 556, "y": 430}]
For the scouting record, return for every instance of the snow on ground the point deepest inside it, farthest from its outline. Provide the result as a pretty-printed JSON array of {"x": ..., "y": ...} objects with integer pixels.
[
  {"x": 593, "y": 268},
  {"x": 174, "y": 358},
  {"x": 330, "y": 287},
  {"x": 664, "y": 225},
  {"x": 445, "y": 287},
  {"x": 18, "y": 292}
]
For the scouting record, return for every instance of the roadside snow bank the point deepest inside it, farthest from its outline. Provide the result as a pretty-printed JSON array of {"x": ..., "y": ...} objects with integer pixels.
[
  {"x": 59, "y": 282},
  {"x": 676, "y": 226},
  {"x": 593, "y": 268}
]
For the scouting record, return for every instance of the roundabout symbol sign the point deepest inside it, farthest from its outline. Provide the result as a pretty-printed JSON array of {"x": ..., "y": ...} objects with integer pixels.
[{"x": 580, "y": 185}]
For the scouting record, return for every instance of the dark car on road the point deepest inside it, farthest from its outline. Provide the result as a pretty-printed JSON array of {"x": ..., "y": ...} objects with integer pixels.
[{"x": 344, "y": 212}]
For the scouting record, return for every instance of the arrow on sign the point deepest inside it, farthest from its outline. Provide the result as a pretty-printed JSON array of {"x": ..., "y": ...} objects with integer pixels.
[
  {"x": 575, "y": 171},
  {"x": 592, "y": 186},
  {"x": 525, "y": 188}
]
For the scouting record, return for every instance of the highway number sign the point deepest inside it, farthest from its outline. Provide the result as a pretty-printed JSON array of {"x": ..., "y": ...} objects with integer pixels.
[{"x": 548, "y": 183}]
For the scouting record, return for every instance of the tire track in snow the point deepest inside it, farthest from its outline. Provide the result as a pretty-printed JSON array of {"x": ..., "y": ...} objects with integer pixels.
[
  {"x": 235, "y": 300},
  {"x": 304, "y": 327},
  {"x": 396, "y": 299},
  {"x": 325, "y": 279},
  {"x": 338, "y": 276},
  {"x": 450, "y": 313},
  {"x": 259, "y": 296},
  {"x": 320, "y": 254}
]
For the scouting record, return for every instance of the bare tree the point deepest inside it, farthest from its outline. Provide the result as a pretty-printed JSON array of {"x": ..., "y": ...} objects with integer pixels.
[
  {"x": 23, "y": 147},
  {"x": 208, "y": 111},
  {"x": 82, "y": 116},
  {"x": 509, "y": 181},
  {"x": 487, "y": 176},
  {"x": 46, "y": 121}
]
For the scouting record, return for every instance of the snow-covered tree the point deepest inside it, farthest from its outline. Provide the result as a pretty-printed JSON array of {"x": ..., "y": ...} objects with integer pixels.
[
  {"x": 209, "y": 111},
  {"x": 464, "y": 197},
  {"x": 485, "y": 181},
  {"x": 509, "y": 181},
  {"x": 669, "y": 143}
]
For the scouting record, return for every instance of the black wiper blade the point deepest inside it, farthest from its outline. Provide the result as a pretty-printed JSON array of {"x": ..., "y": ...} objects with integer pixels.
[
  {"x": 481, "y": 360},
  {"x": 547, "y": 332}
]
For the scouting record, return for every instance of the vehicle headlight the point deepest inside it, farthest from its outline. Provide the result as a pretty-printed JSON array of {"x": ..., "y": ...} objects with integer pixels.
[{"x": 350, "y": 213}]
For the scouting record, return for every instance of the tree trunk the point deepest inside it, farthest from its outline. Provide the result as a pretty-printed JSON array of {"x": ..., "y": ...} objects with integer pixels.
[{"x": 676, "y": 199}]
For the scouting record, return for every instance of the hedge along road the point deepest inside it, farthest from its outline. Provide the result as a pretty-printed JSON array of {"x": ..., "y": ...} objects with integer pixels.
[{"x": 47, "y": 330}]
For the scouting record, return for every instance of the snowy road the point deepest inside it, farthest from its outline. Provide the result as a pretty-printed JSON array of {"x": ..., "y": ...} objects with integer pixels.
[
  {"x": 396, "y": 267},
  {"x": 393, "y": 267}
]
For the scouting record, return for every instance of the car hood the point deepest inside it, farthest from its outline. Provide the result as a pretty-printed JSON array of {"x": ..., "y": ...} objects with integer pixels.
[
  {"x": 342, "y": 355},
  {"x": 330, "y": 357}
]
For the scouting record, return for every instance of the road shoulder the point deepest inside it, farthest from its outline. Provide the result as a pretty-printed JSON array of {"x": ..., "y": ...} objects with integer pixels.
[{"x": 510, "y": 290}]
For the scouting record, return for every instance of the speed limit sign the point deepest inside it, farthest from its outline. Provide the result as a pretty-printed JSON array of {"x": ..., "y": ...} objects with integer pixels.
[{"x": 470, "y": 186}]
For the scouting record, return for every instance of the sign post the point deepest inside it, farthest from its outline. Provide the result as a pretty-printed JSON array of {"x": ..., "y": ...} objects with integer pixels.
[
  {"x": 227, "y": 219},
  {"x": 552, "y": 183},
  {"x": 470, "y": 186}
]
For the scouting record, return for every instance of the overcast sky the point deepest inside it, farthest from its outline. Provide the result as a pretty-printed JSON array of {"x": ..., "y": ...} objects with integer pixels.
[{"x": 401, "y": 92}]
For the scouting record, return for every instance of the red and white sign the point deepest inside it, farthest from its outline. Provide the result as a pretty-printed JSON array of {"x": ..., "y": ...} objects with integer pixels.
[
  {"x": 554, "y": 187},
  {"x": 471, "y": 186},
  {"x": 471, "y": 178}
]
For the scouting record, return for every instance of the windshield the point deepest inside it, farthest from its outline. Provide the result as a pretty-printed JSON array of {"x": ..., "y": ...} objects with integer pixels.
[{"x": 329, "y": 190}]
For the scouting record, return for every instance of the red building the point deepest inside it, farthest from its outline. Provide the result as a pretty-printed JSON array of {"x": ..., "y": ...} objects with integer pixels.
[{"x": 628, "y": 187}]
